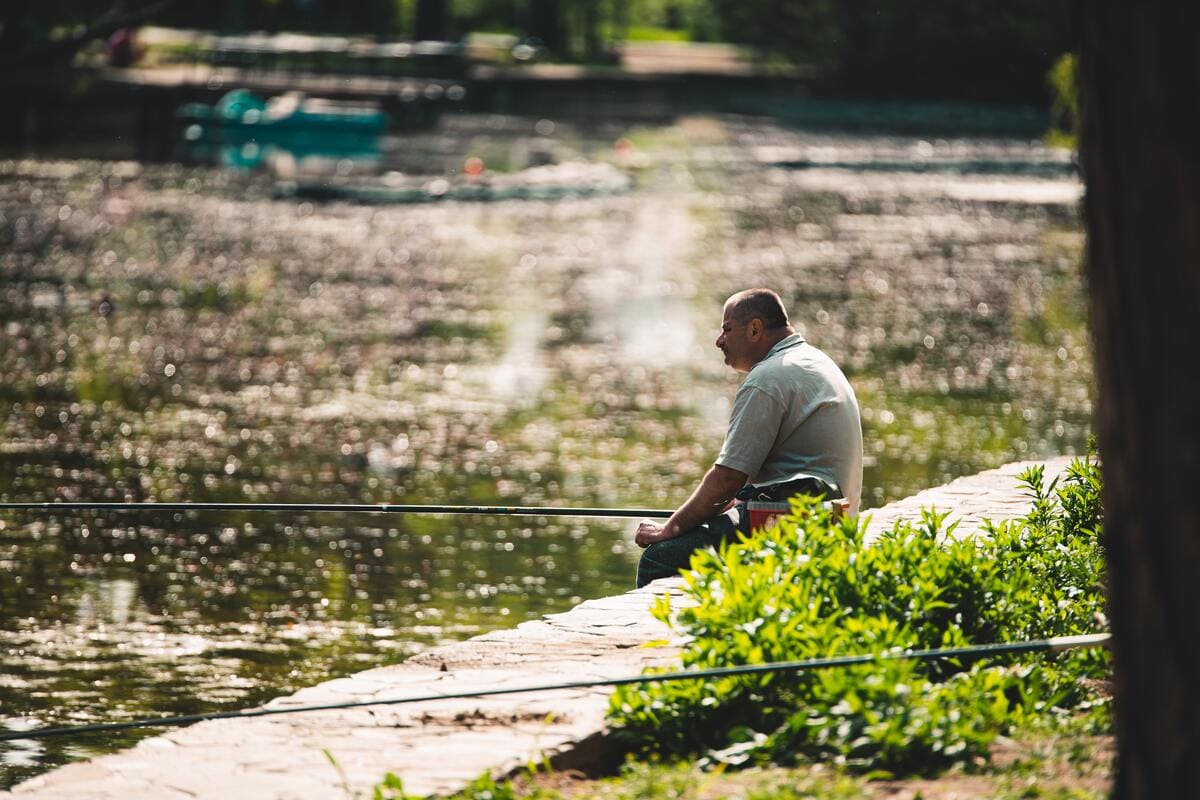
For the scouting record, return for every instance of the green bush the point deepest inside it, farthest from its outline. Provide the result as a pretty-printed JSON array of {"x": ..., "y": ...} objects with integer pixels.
[
  {"x": 812, "y": 587},
  {"x": 1063, "y": 80}
]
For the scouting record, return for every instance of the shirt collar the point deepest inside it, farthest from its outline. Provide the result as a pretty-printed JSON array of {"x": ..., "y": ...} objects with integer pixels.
[{"x": 785, "y": 344}]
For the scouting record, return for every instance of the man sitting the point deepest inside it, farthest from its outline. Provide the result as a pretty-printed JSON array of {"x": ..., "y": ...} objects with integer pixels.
[{"x": 795, "y": 429}]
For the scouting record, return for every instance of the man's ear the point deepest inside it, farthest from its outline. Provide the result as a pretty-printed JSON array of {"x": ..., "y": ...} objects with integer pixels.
[{"x": 756, "y": 328}]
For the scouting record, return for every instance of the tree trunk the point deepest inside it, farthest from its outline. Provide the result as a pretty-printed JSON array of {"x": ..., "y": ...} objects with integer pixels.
[
  {"x": 430, "y": 25},
  {"x": 591, "y": 30},
  {"x": 15, "y": 27},
  {"x": 1140, "y": 85},
  {"x": 620, "y": 19},
  {"x": 545, "y": 22}
]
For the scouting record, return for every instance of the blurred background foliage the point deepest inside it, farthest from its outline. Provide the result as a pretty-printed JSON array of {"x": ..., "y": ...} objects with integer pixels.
[
  {"x": 902, "y": 49},
  {"x": 1064, "y": 103}
]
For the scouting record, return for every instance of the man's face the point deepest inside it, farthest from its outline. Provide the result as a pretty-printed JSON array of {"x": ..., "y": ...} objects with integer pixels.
[{"x": 735, "y": 342}]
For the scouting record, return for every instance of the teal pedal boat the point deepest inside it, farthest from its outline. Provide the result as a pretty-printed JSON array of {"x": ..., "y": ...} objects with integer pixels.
[{"x": 241, "y": 128}]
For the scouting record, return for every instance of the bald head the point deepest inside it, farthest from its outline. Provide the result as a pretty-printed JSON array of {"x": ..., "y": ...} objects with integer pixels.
[
  {"x": 754, "y": 321},
  {"x": 761, "y": 304}
]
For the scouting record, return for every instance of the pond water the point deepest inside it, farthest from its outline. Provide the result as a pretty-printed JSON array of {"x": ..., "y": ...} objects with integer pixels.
[{"x": 178, "y": 333}]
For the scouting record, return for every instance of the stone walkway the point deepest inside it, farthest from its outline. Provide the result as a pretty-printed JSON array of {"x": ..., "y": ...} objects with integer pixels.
[
  {"x": 992, "y": 495},
  {"x": 438, "y": 747}
]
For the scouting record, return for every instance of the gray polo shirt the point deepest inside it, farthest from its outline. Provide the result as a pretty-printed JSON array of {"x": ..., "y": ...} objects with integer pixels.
[{"x": 795, "y": 415}]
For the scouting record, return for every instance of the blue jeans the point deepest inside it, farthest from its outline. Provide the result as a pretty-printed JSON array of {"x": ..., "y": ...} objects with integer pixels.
[{"x": 672, "y": 556}]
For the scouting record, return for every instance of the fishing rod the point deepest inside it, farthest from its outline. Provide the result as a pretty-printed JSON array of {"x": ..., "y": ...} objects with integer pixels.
[
  {"x": 345, "y": 508},
  {"x": 1054, "y": 644}
]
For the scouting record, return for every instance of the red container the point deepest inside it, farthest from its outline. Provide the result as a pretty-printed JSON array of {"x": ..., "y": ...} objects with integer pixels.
[{"x": 764, "y": 514}]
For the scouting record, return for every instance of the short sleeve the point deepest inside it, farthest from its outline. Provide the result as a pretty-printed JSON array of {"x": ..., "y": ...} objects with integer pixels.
[{"x": 753, "y": 428}]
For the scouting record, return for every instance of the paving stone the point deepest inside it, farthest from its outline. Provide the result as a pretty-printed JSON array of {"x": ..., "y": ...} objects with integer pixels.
[
  {"x": 992, "y": 495},
  {"x": 439, "y": 746}
]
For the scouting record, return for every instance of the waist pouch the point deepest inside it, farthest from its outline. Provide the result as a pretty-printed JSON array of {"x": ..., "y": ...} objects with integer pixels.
[{"x": 781, "y": 492}]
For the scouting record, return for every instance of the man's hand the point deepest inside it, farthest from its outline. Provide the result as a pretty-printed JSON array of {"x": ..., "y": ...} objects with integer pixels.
[
  {"x": 649, "y": 532},
  {"x": 710, "y": 498}
]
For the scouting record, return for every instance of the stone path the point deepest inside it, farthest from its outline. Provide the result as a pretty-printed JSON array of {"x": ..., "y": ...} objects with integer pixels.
[
  {"x": 438, "y": 747},
  {"x": 993, "y": 495}
]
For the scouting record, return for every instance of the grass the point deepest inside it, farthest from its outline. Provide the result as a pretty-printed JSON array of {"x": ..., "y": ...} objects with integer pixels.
[
  {"x": 1068, "y": 765},
  {"x": 650, "y": 33}
]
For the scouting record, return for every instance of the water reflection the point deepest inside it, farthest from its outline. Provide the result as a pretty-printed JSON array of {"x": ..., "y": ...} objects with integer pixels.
[
  {"x": 175, "y": 333},
  {"x": 106, "y": 601},
  {"x": 655, "y": 329},
  {"x": 21, "y": 754},
  {"x": 520, "y": 374}
]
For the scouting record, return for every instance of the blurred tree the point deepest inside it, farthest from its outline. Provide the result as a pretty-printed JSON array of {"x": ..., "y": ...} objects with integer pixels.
[
  {"x": 546, "y": 23},
  {"x": 620, "y": 19},
  {"x": 961, "y": 49},
  {"x": 1139, "y": 75},
  {"x": 1064, "y": 102},
  {"x": 922, "y": 49},
  {"x": 431, "y": 21},
  {"x": 36, "y": 33},
  {"x": 578, "y": 28},
  {"x": 380, "y": 18},
  {"x": 800, "y": 30},
  {"x": 588, "y": 15}
]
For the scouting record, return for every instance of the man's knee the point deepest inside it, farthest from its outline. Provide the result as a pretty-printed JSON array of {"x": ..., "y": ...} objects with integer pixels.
[
  {"x": 672, "y": 556},
  {"x": 658, "y": 561}
]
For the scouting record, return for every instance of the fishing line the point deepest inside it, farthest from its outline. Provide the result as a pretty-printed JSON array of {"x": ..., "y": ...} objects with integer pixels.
[{"x": 1053, "y": 644}]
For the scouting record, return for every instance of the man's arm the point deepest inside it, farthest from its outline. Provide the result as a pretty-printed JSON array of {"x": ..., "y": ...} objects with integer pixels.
[{"x": 717, "y": 488}]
